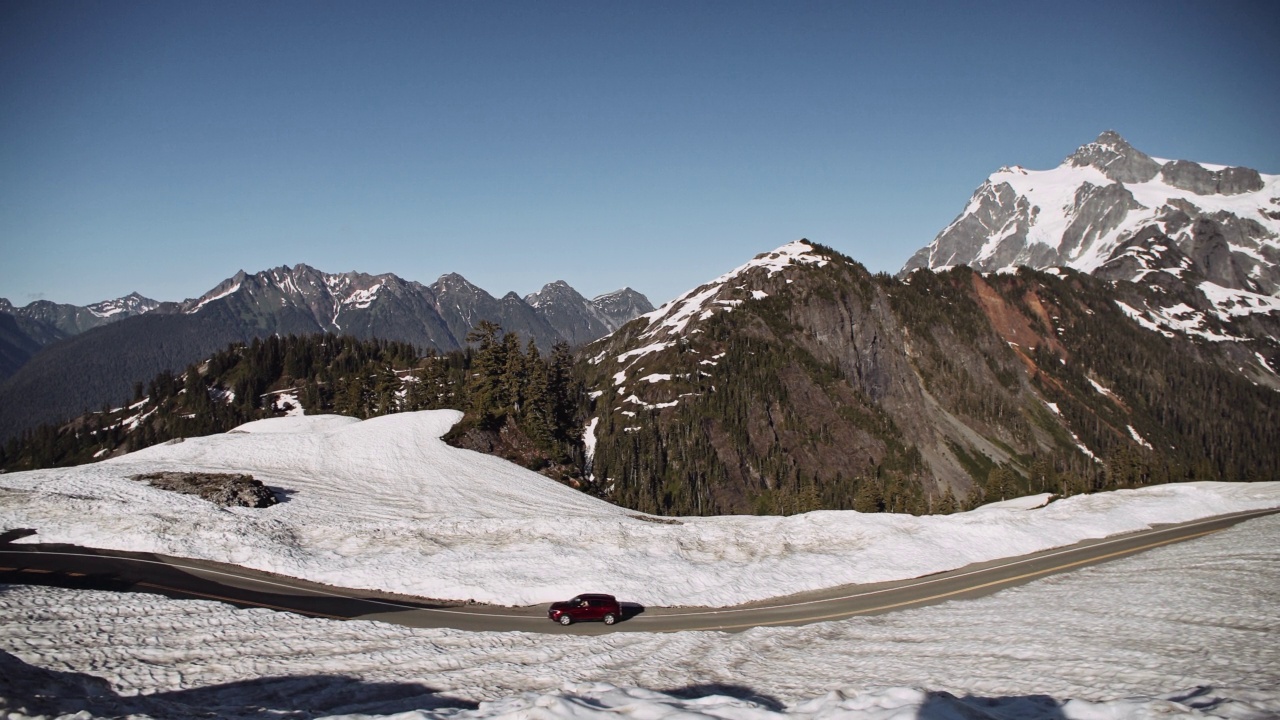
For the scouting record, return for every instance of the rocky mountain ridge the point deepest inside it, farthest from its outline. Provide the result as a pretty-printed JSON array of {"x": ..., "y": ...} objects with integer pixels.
[
  {"x": 304, "y": 300},
  {"x": 25, "y": 330},
  {"x": 74, "y": 319},
  {"x": 101, "y": 364},
  {"x": 800, "y": 381}
]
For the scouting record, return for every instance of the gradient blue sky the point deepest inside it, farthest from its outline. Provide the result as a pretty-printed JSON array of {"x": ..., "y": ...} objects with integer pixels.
[{"x": 160, "y": 147}]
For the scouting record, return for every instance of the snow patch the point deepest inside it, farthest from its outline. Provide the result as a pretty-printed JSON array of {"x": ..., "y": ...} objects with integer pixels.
[
  {"x": 1138, "y": 438},
  {"x": 647, "y": 349},
  {"x": 674, "y": 316},
  {"x": 589, "y": 438},
  {"x": 386, "y": 504},
  {"x": 211, "y": 298},
  {"x": 656, "y": 378}
]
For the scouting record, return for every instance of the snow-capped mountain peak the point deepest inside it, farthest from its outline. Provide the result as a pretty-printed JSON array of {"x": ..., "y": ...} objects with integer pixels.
[
  {"x": 1102, "y": 196},
  {"x": 74, "y": 319},
  {"x": 1108, "y": 209},
  {"x": 131, "y": 304}
]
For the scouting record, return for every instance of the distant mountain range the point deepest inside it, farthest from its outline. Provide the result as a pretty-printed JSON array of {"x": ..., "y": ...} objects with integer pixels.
[
  {"x": 24, "y": 330},
  {"x": 62, "y": 359}
]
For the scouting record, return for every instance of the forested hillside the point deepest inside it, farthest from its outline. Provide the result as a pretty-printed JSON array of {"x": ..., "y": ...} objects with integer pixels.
[
  {"x": 801, "y": 381},
  {"x": 514, "y": 389}
]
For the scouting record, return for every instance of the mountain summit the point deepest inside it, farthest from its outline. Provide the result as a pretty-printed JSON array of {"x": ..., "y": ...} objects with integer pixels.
[
  {"x": 1087, "y": 212},
  {"x": 1205, "y": 238}
]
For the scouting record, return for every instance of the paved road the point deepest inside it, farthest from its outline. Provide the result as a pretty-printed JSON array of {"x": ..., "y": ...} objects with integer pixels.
[{"x": 71, "y": 566}]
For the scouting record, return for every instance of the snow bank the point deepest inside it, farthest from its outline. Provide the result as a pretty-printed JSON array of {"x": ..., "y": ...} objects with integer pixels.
[
  {"x": 1186, "y": 631},
  {"x": 385, "y": 504}
]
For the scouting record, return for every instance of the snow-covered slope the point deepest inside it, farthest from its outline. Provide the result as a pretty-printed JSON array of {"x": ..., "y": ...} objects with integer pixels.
[
  {"x": 1183, "y": 631},
  {"x": 709, "y": 298},
  {"x": 386, "y": 504}
]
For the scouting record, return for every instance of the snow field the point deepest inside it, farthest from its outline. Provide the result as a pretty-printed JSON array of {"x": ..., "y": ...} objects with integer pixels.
[
  {"x": 1183, "y": 631},
  {"x": 1054, "y": 193},
  {"x": 385, "y": 504}
]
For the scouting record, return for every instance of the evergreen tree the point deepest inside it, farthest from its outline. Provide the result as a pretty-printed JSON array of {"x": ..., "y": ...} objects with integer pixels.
[{"x": 486, "y": 388}]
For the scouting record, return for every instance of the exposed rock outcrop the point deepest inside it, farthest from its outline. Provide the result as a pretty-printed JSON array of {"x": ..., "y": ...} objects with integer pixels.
[
  {"x": 1116, "y": 158},
  {"x": 225, "y": 489}
]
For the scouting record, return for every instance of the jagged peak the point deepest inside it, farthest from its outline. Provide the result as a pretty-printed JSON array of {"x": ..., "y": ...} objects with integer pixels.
[
  {"x": 1115, "y": 158},
  {"x": 553, "y": 290},
  {"x": 1113, "y": 139},
  {"x": 453, "y": 278},
  {"x": 622, "y": 292}
]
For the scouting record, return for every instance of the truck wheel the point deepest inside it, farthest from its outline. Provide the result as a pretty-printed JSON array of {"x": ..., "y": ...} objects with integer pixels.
[
  {"x": 610, "y": 619},
  {"x": 565, "y": 619}
]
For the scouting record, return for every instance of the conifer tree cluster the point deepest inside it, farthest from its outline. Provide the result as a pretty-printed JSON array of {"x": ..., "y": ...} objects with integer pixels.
[
  {"x": 324, "y": 374},
  {"x": 508, "y": 385}
]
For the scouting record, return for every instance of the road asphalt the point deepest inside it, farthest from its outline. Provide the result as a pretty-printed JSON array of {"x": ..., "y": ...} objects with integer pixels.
[{"x": 79, "y": 567}]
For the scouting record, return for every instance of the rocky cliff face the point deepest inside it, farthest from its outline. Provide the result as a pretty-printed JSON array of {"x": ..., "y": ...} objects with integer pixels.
[{"x": 800, "y": 381}]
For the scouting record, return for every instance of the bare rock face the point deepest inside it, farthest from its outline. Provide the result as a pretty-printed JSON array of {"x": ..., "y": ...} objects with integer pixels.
[
  {"x": 1196, "y": 178},
  {"x": 225, "y": 489},
  {"x": 1116, "y": 158},
  {"x": 1098, "y": 211}
]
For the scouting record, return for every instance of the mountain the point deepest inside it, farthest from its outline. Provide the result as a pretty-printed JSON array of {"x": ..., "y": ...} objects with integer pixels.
[
  {"x": 800, "y": 381},
  {"x": 25, "y": 330},
  {"x": 579, "y": 320},
  {"x": 75, "y": 319},
  {"x": 19, "y": 340},
  {"x": 1079, "y": 214},
  {"x": 1208, "y": 234},
  {"x": 100, "y": 365},
  {"x": 303, "y": 300}
]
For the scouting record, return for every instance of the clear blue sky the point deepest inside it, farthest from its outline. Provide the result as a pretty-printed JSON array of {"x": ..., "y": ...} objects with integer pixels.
[{"x": 160, "y": 147}]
